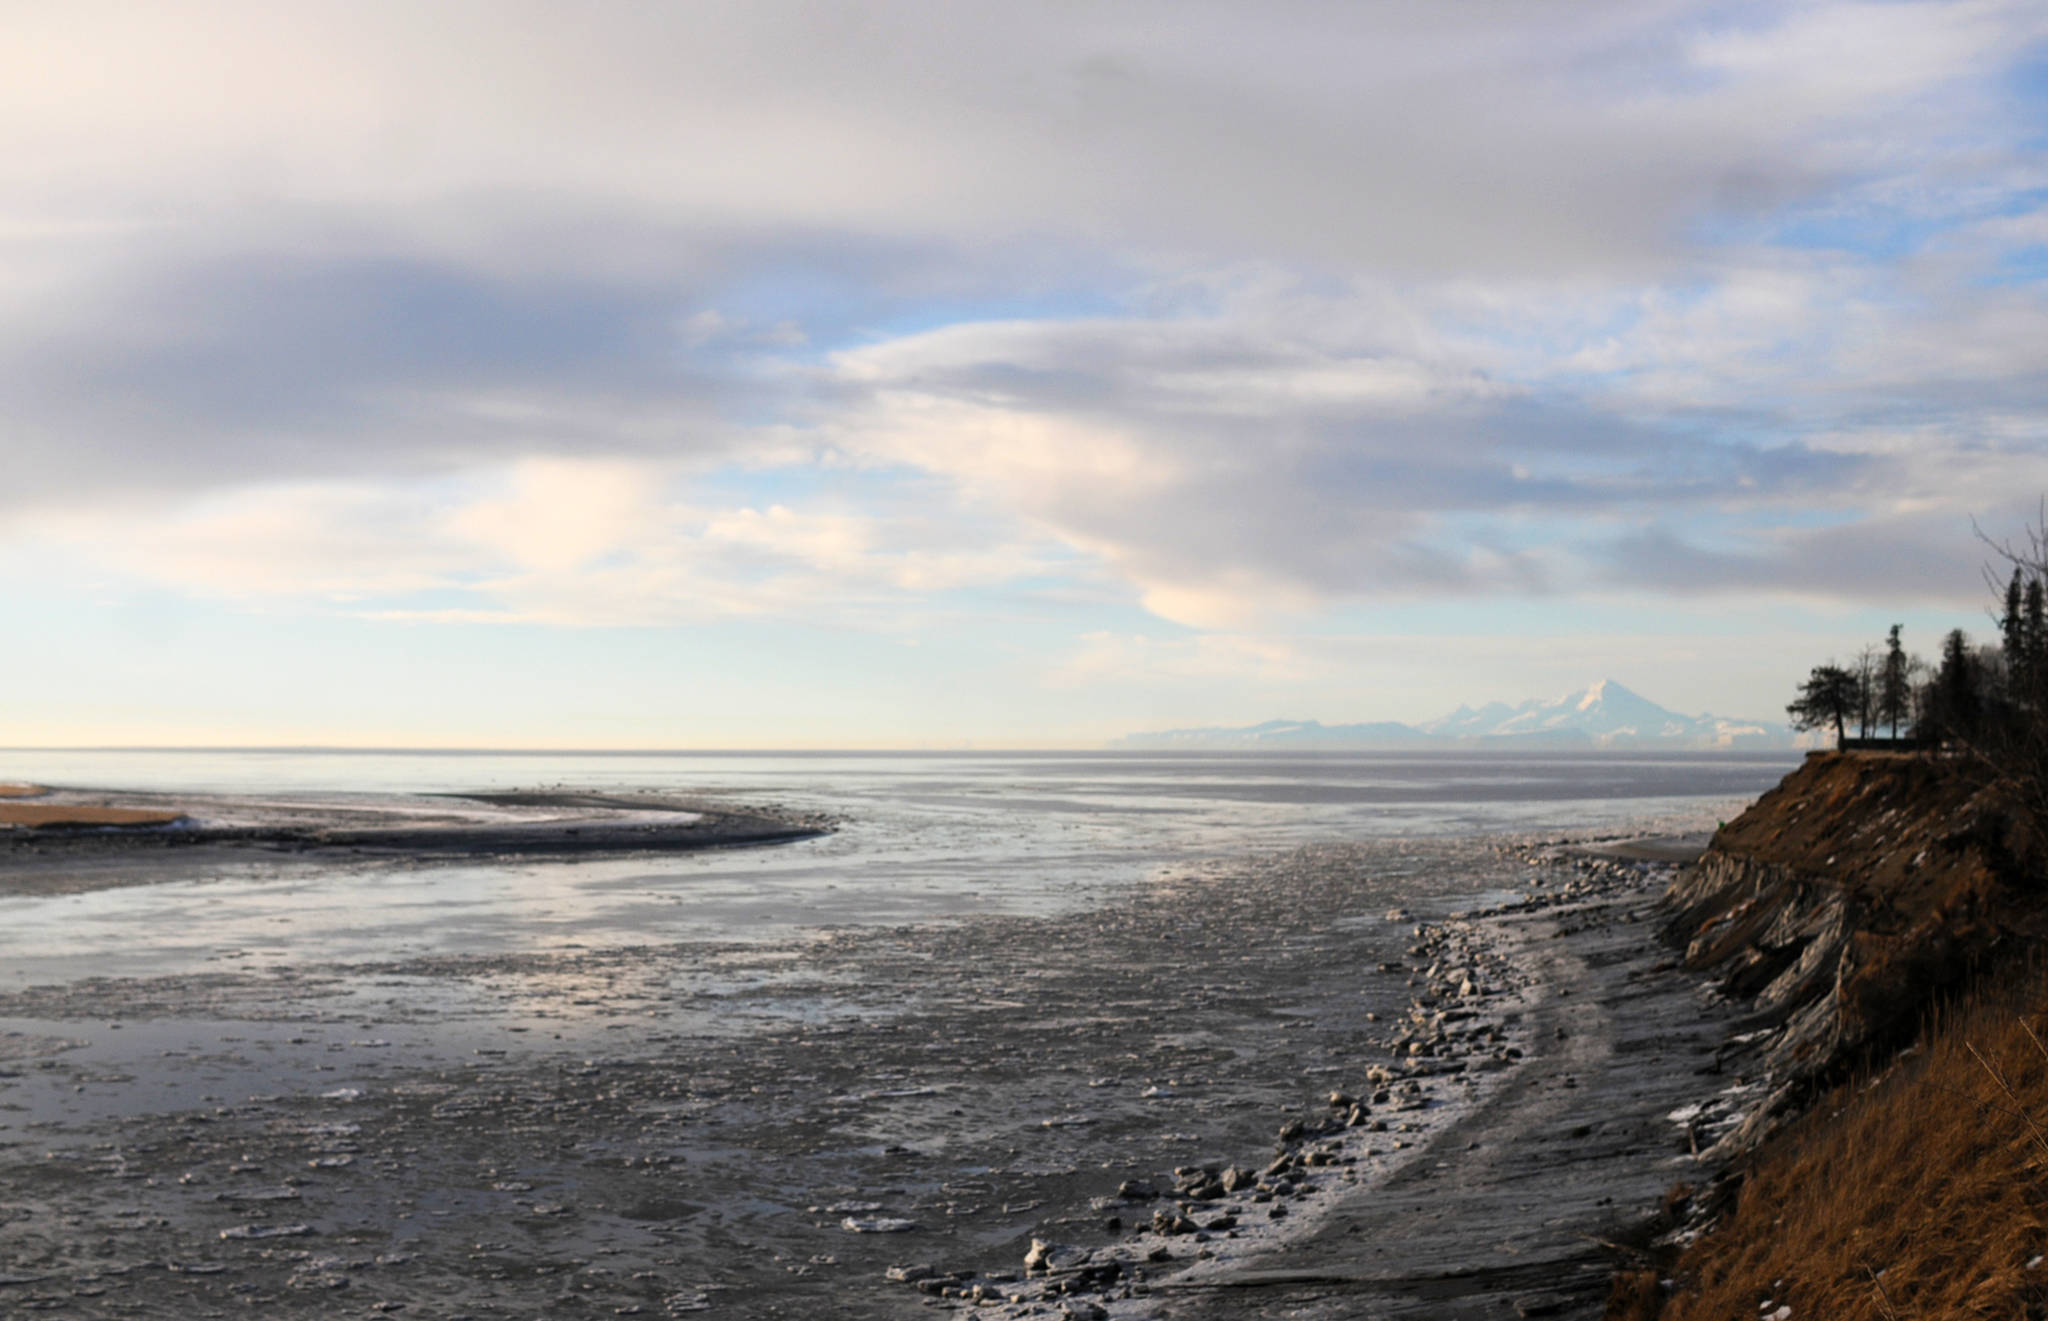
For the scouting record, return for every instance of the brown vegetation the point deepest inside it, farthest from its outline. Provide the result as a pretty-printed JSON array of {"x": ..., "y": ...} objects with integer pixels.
[
  {"x": 22, "y": 791},
  {"x": 1920, "y": 1193},
  {"x": 1872, "y": 902}
]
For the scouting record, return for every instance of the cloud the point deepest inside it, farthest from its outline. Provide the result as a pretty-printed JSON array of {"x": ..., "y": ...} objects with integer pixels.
[
  {"x": 1230, "y": 472},
  {"x": 1356, "y": 134},
  {"x": 1892, "y": 560},
  {"x": 573, "y": 543},
  {"x": 653, "y": 314}
]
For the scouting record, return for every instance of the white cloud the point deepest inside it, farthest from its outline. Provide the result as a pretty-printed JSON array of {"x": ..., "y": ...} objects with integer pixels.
[
  {"x": 570, "y": 542},
  {"x": 557, "y": 514},
  {"x": 365, "y": 300}
]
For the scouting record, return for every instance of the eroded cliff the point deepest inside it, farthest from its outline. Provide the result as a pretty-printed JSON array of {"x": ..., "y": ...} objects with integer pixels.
[
  {"x": 1849, "y": 901},
  {"x": 1880, "y": 916}
]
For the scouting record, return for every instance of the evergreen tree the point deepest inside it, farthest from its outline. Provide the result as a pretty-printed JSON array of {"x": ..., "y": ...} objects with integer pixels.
[
  {"x": 1829, "y": 696},
  {"x": 2022, "y": 651},
  {"x": 1954, "y": 701},
  {"x": 2030, "y": 679},
  {"x": 1894, "y": 683}
]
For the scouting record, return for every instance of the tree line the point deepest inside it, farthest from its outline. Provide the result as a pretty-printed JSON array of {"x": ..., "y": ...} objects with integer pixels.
[
  {"x": 1988, "y": 702},
  {"x": 1885, "y": 688}
]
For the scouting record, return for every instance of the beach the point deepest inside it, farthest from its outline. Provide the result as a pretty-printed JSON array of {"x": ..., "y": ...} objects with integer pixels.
[{"x": 775, "y": 1125}]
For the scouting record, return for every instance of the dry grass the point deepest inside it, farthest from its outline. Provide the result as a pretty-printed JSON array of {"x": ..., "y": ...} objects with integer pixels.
[
  {"x": 22, "y": 791},
  {"x": 1922, "y": 1193},
  {"x": 56, "y": 814}
]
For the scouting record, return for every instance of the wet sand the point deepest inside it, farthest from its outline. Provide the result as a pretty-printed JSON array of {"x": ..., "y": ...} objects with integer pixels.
[
  {"x": 1527, "y": 1203},
  {"x": 70, "y": 841}
]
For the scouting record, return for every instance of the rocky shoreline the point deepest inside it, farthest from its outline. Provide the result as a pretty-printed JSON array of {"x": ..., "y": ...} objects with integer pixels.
[{"x": 1552, "y": 1034}]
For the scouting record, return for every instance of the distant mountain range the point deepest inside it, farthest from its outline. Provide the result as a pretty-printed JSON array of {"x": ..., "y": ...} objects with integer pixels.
[{"x": 1605, "y": 715}]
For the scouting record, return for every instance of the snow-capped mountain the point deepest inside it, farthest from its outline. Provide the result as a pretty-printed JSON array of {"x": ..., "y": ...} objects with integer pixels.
[
  {"x": 1606, "y": 715},
  {"x": 1284, "y": 734}
]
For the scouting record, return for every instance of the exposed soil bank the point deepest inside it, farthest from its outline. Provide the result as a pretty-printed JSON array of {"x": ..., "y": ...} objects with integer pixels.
[
  {"x": 1846, "y": 904},
  {"x": 1849, "y": 914}
]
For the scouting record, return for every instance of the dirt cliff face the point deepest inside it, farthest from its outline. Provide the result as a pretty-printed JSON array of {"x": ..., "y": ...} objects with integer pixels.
[
  {"x": 1868, "y": 903},
  {"x": 1847, "y": 902}
]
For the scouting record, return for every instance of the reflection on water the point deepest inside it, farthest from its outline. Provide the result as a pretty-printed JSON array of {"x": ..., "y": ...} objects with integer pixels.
[{"x": 923, "y": 836}]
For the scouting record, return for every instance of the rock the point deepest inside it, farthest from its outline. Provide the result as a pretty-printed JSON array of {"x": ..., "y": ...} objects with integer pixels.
[
  {"x": 1293, "y": 1130},
  {"x": 1341, "y": 1100},
  {"x": 1171, "y": 1222},
  {"x": 1237, "y": 1180},
  {"x": 877, "y": 1225},
  {"x": 1359, "y": 1116},
  {"x": 1080, "y": 1309},
  {"x": 1135, "y": 1191},
  {"x": 910, "y": 1274},
  {"x": 1045, "y": 1256}
]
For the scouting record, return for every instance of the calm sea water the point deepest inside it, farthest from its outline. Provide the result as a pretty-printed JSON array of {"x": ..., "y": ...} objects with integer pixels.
[{"x": 922, "y": 836}]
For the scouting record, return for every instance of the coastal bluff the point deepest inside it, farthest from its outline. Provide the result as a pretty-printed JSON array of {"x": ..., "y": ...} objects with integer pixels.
[
  {"x": 1876, "y": 922},
  {"x": 1849, "y": 901}
]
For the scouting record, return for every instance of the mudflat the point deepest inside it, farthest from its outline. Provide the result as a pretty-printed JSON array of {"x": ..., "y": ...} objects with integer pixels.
[
  {"x": 64, "y": 841},
  {"x": 52, "y": 815},
  {"x": 772, "y": 1128}
]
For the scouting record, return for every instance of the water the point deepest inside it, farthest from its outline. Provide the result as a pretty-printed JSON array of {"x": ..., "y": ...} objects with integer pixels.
[
  {"x": 1005, "y": 983},
  {"x": 922, "y": 836}
]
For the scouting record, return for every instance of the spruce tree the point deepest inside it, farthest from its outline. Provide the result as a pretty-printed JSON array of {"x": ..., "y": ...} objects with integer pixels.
[{"x": 1894, "y": 685}]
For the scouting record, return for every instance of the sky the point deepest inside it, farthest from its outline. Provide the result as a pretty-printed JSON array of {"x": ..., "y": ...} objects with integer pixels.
[{"x": 943, "y": 375}]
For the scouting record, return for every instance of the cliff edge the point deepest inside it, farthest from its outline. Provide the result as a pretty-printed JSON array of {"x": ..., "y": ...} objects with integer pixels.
[
  {"x": 1849, "y": 901},
  {"x": 1879, "y": 918}
]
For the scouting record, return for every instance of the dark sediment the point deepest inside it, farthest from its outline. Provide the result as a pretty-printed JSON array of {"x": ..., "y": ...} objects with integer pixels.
[
  {"x": 707, "y": 1122},
  {"x": 214, "y": 832},
  {"x": 1525, "y": 1205}
]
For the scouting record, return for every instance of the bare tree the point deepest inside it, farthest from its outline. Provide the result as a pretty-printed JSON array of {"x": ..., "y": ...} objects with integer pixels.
[{"x": 1869, "y": 675}]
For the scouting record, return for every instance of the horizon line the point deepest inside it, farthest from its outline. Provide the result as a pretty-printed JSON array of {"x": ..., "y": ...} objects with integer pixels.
[{"x": 429, "y": 750}]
